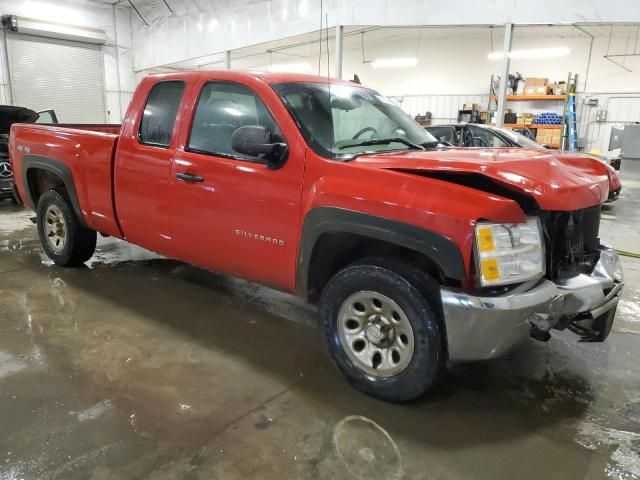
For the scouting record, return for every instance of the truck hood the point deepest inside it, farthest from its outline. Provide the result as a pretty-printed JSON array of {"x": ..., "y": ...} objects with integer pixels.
[
  {"x": 555, "y": 181},
  {"x": 10, "y": 115}
]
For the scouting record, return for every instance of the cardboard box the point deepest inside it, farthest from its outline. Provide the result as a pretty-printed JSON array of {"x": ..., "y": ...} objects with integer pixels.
[
  {"x": 535, "y": 82},
  {"x": 557, "y": 88},
  {"x": 543, "y": 135},
  {"x": 536, "y": 90},
  {"x": 549, "y": 136},
  {"x": 471, "y": 106}
]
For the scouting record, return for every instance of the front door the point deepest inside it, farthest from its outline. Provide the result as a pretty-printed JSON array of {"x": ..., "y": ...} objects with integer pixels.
[{"x": 230, "y": 212}]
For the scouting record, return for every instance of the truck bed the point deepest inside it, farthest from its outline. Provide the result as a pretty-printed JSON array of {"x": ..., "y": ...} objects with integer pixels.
[
  {"x": 113, "y": 128},
  {"x": 85, "y": 152}
]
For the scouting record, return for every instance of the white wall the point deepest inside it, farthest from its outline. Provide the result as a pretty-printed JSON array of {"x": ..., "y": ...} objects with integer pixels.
[
  {"x": 197, "y": 28},
  {"x": 455, "y": 70},
  {"x": 119, "y": 80},
  {"x": 456, "y": 65}
]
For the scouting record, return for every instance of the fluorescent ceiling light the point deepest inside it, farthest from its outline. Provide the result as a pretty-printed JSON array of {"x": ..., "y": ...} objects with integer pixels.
[
  {"x": 535, "y": 53},
  {"x": 290, "y": 67},
  {"x": 43, "y": 28},
  {"x": 394, "y": 62}
]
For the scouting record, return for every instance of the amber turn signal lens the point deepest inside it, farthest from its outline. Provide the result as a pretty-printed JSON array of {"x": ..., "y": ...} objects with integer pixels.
[
  {"x": 485, "y": 240},
  {"x": 490, "y": 269}
]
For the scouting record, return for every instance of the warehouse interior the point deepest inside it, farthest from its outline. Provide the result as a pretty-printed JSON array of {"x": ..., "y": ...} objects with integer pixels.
[{"x": 141, "y": 364}]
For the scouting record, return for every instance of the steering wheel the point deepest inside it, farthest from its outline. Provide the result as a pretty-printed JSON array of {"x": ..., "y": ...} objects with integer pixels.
[
  {"x": 482, "y": 142},
  {"x": 363, "y": 131}
]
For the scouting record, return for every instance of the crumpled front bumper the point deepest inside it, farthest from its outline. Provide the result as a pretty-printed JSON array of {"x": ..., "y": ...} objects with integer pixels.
[{"x": 480, "y": 328}]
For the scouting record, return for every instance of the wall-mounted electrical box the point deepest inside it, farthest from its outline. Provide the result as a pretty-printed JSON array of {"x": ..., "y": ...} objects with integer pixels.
[{"x": 601, "y": 116}]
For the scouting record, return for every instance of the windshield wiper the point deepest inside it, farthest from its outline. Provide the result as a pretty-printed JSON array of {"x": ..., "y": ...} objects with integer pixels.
[{"x": 383, "y": 141}]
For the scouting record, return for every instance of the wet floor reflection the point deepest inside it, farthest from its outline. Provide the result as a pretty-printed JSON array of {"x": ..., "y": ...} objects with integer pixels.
[{"x": 142, "y": 367}]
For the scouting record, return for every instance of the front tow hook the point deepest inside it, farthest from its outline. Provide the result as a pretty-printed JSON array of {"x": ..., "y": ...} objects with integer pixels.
[{"x": 539, "y": 334}]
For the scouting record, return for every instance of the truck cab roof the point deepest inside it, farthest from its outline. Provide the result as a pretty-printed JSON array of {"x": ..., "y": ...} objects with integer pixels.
[{"x": 269, "y": 77}]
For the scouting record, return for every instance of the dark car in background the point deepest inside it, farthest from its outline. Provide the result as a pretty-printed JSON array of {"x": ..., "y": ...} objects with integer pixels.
[
  {"x": 478, "y": 135},
  {"x": 8, "y": 116}
]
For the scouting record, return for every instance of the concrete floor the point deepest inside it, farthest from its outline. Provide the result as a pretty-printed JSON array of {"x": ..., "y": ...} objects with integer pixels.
[{"x": 141, "y": 367}]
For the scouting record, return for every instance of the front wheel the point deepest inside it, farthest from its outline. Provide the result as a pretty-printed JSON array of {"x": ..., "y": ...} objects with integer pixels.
[
  {"x": 64, "y": 239},
  {"x": 383, "y": 330}
]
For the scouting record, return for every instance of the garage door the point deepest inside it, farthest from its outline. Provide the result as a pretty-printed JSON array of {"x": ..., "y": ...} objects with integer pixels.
[{"x": 49, "y": 73}]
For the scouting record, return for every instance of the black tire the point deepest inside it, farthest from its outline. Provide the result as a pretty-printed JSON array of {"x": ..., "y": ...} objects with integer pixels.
[
  {"x": 80, "y": 242},
  {"x": 419, "y": 298}
]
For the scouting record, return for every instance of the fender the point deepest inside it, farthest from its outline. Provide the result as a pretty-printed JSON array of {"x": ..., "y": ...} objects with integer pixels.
[
  {"x": 31, "y": 162},
  {"x": 438, "y": 248}
]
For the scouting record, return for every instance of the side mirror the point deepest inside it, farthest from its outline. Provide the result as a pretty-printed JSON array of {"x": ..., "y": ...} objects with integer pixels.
[{"x": 256, "y": 140}]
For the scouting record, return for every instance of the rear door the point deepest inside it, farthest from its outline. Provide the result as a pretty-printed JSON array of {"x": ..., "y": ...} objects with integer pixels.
[
  {"x": 230, "y": 212},
  {"x": 144, "y": 162}
]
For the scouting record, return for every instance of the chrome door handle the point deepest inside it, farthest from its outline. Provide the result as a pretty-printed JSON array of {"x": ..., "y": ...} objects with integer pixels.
[{"x": 189, "y": 177}]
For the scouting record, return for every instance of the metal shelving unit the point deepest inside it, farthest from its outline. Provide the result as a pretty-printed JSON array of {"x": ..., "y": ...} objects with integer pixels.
[{"x": 568, "y": 115}]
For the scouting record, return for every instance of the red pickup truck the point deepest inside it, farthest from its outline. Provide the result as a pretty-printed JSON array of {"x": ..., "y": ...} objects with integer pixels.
[{"x": 416, "y": 254}]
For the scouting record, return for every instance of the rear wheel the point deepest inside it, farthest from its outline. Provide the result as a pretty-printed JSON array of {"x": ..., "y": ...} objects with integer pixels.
[
  {"x": 64, "y": 239},
  {"x": 383, "y": 330}
]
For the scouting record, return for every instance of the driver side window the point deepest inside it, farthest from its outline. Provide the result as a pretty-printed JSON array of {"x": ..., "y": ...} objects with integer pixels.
[
  {"x": 222, "y": 108},
  {"x": 482, "y": 137}
]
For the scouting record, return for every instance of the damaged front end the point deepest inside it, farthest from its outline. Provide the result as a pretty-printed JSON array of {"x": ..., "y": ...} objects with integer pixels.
[
  {"x": 486, "y": 326},
  {"x": 588, "y": 275},
  {"x": 585, "y": 303},
  {"x": 579, "y": 291}
]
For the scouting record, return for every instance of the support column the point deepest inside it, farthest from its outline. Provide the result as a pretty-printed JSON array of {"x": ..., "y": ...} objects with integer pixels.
[
  {"x": 339, "y": 48},
  {"x": 227, "y": 59},
  {"x": 504, "y": 74}
]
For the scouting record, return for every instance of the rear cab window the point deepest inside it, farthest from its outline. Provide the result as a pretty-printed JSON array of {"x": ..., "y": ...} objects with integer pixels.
[{"x": 159, "y": 116}]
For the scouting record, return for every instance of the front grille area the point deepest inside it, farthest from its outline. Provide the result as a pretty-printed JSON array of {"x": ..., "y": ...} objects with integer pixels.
[{"x": 571, "y": 241}]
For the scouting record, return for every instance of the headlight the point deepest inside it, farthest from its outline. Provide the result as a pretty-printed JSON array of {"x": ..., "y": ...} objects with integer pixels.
[{"x": 509, "y": 253}]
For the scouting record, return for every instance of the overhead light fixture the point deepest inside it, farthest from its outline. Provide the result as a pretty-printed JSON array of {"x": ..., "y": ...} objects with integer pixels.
[
  {"x": 290, "y": 67},
  {"x": 394, "y": 62},
  {"x": 534, "y": 53},
  {"x": 44, "y": 28}
]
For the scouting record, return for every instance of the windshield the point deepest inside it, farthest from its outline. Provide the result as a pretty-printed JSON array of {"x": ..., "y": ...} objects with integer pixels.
[
  {"x": 518, "y": 138},
  {"x": 341, "y": 121}
]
